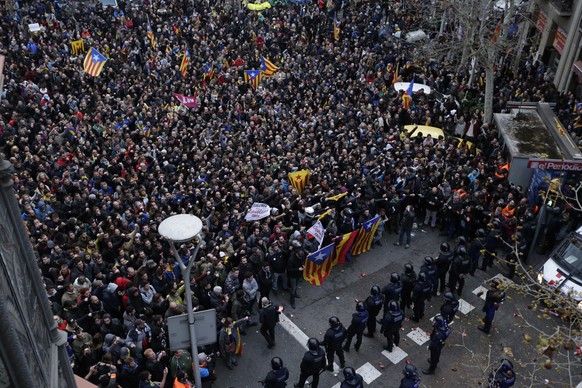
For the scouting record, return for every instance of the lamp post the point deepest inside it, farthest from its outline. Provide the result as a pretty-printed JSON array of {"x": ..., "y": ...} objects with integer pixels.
[{"x": 177, "y": 229}]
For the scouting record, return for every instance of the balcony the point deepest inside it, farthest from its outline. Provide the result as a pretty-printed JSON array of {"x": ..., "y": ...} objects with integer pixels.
[{"x": 562, "y": 7}]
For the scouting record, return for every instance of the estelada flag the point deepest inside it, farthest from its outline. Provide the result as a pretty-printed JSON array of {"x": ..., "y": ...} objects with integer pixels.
[
  {"x": 342, "y": 247},
  {"x": 318, "y": 265},
  {"x": 94, "y": 62},
  {"x": 77, "y": 46},
  {"x": 365, "y": 236},
  {"x": 336, "y": 29},
  {"x": 407, "y": 97},
  {"x": 337, "y": 197},
  {"x": 268, "y": 68},
  {"x": 254, "y": 76},
  {"x": 185, "y": 62},
  {"x": 395, "y": 78},
  {"x": 299, "y": 179}
]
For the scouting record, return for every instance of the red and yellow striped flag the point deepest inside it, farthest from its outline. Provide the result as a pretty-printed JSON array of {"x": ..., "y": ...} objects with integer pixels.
[
  {"x": 342, "y": 247},
  {"x": 318, "y": 265},
  {"x": 299, "y": 179},
  {"x": 365, "y": 236}
]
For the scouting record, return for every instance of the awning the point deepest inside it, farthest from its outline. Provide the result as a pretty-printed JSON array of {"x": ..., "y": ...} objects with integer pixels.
[{"x": 578, "y": 68}]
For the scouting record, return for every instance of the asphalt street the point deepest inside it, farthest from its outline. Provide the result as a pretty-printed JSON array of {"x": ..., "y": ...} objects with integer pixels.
[{"x": 466, "y": 360}]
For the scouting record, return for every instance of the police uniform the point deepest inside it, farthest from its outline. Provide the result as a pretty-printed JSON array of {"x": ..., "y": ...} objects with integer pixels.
[
  {"x": 312, "y": 364},
  {"x": 420, "y": 293},
  {"x": 373, "y": 305},
  {"x": 408, "y": 280},
  {"x": 459, "y": 268},
  {"x": 432, "y": 276},
  {"x": 276, "y": 378},
  {"x": 332, "y": 341},
  {"x": 391, "y": 324},
  {"x": 443, "y": 263},
  {"x": 356, "y": 328},
  {"x": 437, "y": 342},
  {"x": 493, "y": 300},
  {"x": 449, "y": 310}
]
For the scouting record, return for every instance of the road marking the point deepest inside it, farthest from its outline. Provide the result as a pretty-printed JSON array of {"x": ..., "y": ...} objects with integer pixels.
[
  {"x": 481, "y": 290},
  {"x": 396, "y": 356},
  {"x": 368, "y": 372},
  {"x": 418, "y": 335},
  {"x": 505, "y": 281},
  {"x": 290, "y": 327},
  {"x": 465, "y": 307}
]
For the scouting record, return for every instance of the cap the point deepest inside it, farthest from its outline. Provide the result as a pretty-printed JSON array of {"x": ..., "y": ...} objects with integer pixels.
[
  {"x": 202, "y": 357},
  {"x": 151, "y": 264}
]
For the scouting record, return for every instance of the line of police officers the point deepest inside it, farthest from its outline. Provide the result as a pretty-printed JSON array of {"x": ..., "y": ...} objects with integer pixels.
[{"x": 404, "y": 291}]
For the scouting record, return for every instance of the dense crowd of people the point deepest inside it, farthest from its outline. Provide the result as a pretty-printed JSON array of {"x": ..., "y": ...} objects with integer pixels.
[{"x": 101, "y": 161}]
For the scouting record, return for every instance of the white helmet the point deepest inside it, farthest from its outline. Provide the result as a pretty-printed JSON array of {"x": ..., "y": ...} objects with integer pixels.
[{"x": 309, "y": 211}]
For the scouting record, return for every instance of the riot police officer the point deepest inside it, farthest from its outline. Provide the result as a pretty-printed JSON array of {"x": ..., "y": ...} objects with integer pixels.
[
  {"x": 450, "y": 307},
  {"x": 475, "y": 249},
  {"x": 352, "y": 379},
  {"x": 391, "y": 324},
  {"x": 443, "y": 263},
  {"x": 503, "y": 376},
  {"x": 374, "y": 304},
  {"x": 491, "y": 243},
  {"x": 493, "y": 300},
  {"x": 357, "y": 326},
  {"x": 420, "y": 293},
  {"x": 460, "y": 267},
  {"x": 277, "y": 376},
  {"x": 411, "y": 378},
  {"x": 393, "y": 290},
  {"x": 408, "y": 280},
  {"x": 439, "y": 335},
  {"x": 430, "y": 269},
  {"x": 332, "y": 341},
  {"x": 312, "y": 364}
]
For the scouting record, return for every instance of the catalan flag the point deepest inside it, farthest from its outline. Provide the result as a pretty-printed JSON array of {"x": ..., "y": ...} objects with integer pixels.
[
  {"x": 77, "y": 46},
  {"x": 336, "y": 28},
  {"x": 318, "y": 265},
  {"x": 395, "y": 78},
  {"x": 94, "y": 62},
  {"x": 407, "y": 97},
  {"x": 342, "y": 247},
  {"x": 208, "y": 71},
  {"x": 365, "y": 235},
  {"x": 268, "y": 68},
  {"x": 337, "y": 197},
  {"x": 150, "y": 34},
  {"x": 254, "y": 77},
  {"x": 185, "y": 62},
  {"x": 299, "y": 179}
]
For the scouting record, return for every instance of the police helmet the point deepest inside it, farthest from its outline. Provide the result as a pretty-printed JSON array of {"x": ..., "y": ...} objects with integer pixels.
[
  {"x": 313, "y": 344},
  {"x": 276, "y": 363},
  {"x": 422, "y": 277},
  {"x": 393, "y": 305},
  {"x": 462, "y": 240},
  {"x": 347, "y": 212},
  {"x": 334, "y": 322},
  {"x": 449, "y": 297},
  {"x": 410, "y": 371},
  {"x": 440, "y": 321},
  {"x": 462, "y": 251},
  {"x": 445, "y": 247},
  {"x": 309, "y": 211},
  {"x": 375, "y": 290},
  {"x": 480, "y": 232},
  {"x": 408, "y": 268},
  {"x": 428, "y": 260},
  {"x": 360, "y": 307},
  {"x": 349, "y": 374},
  {"x": 394, "y": 277}
]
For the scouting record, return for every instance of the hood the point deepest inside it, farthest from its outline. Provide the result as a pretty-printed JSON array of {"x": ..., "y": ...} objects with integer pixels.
[
  {"x": 109, "y": 338},
  {"x": 111, "y": 287}
]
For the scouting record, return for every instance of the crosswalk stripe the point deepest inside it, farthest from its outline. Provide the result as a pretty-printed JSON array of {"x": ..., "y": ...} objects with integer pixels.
[
  {"x": 396, "y": 355},
  {"x": 418, "y": 335},
  {"x": 465, "y": 307},
  {"x": 368, "y": 372}
]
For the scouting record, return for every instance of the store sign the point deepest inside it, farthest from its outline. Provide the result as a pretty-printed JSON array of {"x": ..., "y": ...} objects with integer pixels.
[
  {"x": 560, "y": 40},
  {"x": 541, "y": 21},
  {"x": 554, "y": 165}
]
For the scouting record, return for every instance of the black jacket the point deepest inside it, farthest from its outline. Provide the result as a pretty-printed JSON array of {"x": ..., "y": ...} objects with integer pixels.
[
  {"x": 313, "y": 361},
  {"x": 269, "y": 316}
]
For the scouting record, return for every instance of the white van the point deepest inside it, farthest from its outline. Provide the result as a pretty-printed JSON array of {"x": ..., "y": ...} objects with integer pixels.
[{"x": 563, "y": 269}]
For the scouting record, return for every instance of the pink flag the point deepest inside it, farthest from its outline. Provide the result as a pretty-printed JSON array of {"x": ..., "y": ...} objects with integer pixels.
[{"x": 187, "y": 101}]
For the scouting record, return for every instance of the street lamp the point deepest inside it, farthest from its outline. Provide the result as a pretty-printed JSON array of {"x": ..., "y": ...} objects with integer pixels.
[{"x": 177, "y": 229}]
